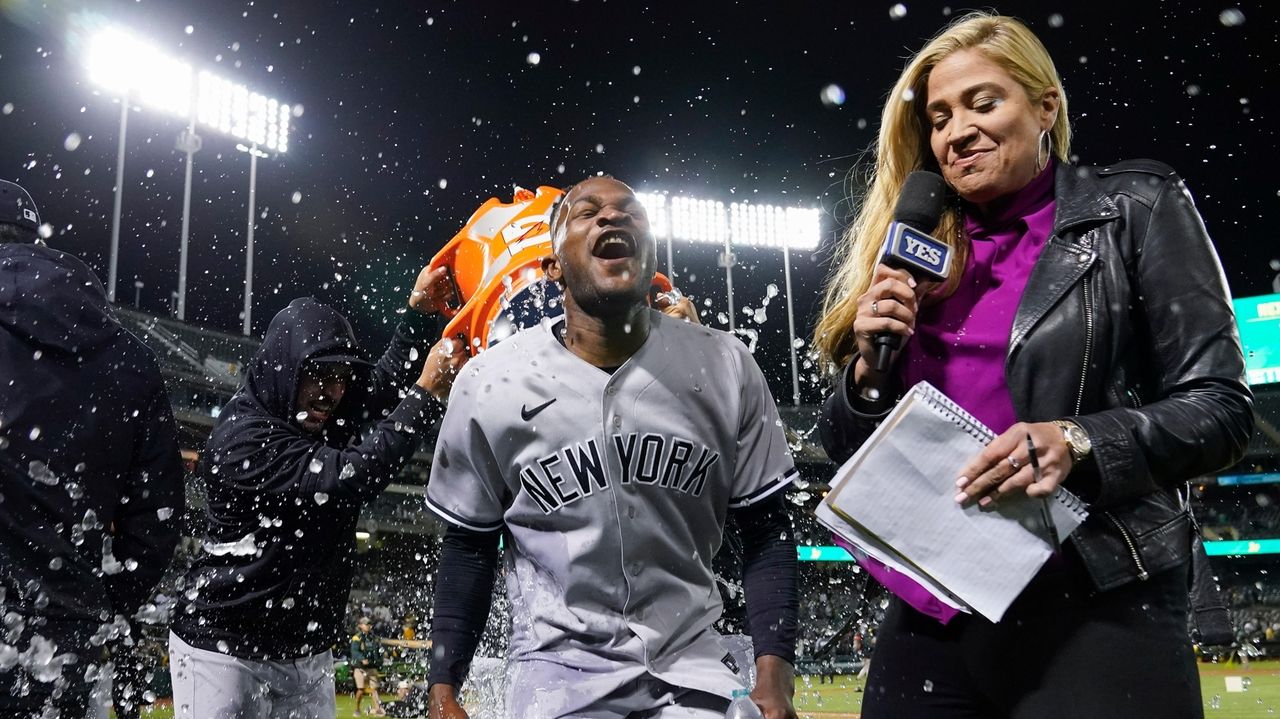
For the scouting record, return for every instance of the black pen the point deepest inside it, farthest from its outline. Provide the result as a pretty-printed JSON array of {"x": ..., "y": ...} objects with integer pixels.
[{"x": 1045, "y": 516}]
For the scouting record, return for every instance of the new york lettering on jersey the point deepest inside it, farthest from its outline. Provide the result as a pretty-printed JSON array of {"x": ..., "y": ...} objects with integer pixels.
[{"x": 574, "y": 472}]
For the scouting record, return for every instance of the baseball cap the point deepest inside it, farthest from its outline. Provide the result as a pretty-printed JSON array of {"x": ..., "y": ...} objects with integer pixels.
[{"x": 17, "y": 207}]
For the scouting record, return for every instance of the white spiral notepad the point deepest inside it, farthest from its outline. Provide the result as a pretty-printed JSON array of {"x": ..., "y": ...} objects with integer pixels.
[{"x": 894, "y": 499}]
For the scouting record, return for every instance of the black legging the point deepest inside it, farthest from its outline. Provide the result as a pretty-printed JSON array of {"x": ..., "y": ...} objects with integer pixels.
[{"x": 1061, "y": 651}]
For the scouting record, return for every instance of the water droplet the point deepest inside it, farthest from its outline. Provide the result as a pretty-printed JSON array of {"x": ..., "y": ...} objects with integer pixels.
[
  {"x": 40, "y": 472},
  {"x": 832, "y": 95},
  {"x": 321, "y": 497},
  {"x": 34, "y": 434},
  {"x": 296, "y": 197},
  {"x": 1231, "y": 17},
  {"x": 533, "y": 58},
  {"x": 1055, "y": 20},
  {"x": 72, "y": 142},
  {"x": 299, "y": 417},
  {"x": 316, "y": 465},
  {"x": 897, "y": 12}
]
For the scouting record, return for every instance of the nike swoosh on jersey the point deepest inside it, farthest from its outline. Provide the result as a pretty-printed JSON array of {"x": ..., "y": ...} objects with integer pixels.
[{"x": 528, "y": 414}]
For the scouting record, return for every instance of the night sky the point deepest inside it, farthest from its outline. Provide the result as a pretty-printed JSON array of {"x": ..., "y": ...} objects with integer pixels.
[{"x": 415, "y": 113}]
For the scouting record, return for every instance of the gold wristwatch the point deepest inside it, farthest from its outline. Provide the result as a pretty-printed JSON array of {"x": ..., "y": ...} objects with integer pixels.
[{"x": 1076, "y": 438}]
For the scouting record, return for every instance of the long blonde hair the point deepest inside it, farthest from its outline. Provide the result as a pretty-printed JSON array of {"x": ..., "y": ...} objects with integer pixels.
[{"x": 903, "y": 147}]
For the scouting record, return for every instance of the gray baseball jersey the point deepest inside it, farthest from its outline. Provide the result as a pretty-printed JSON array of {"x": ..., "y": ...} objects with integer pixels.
[{"x": 613, "y": 490}]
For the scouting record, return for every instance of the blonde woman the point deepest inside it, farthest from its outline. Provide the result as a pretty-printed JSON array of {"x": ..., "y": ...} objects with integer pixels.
[{"x": 1085, "y": 307}]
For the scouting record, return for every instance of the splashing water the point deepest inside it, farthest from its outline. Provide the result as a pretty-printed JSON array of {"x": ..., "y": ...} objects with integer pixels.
[
  {"x": 40, "y": 472},
  {"x": 242, "y": 547}
]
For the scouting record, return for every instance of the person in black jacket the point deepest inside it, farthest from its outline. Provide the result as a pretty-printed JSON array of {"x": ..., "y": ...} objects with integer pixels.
[
  {"x": 314, "y": 433},
  {"x": 90, "y": 472},
  {"x": 1086, "y": 311}
]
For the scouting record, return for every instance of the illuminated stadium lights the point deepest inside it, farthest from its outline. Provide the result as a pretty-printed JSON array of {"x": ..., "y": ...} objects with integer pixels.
[
  {"x": 744, "y": 224},
  {"x": 655, "y": 206},
  {"x": 124, "y": 65},
  {"x": 773, "y": 226},
  {"x": 698, "y": 220},
  {"x": 232, "y": 109},
  {"x": 121, "y": 63}
]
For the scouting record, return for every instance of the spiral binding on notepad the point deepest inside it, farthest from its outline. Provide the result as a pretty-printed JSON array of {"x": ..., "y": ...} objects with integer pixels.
[
  {"x": 1072, "y": 502},
  {"x": 954, "y": 412}
]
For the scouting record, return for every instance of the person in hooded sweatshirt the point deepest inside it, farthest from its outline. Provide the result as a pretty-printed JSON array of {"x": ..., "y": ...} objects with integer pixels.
[
  {"x": 90, "y": 472},
  {"x": 314, "y": 433}
]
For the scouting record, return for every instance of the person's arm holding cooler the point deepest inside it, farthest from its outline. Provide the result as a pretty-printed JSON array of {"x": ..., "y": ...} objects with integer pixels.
[{"x": 276, "y": 458}]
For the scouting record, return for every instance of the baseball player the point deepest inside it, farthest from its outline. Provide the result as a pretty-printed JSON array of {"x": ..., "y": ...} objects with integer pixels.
[{"x": 610, "y": 445}]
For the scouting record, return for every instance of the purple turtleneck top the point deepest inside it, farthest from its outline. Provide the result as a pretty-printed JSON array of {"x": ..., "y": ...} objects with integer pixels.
[{"x": 961, "y": 342}]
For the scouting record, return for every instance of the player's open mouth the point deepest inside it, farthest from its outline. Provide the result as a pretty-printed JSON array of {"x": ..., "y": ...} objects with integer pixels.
[{"x": 614, "y": 245}]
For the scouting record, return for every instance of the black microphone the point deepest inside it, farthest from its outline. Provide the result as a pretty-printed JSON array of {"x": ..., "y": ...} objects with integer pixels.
[{"x": 909, "y": 247}]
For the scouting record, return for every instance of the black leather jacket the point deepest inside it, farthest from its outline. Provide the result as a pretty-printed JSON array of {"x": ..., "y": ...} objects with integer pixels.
[{"x": 1125, "y": 327}]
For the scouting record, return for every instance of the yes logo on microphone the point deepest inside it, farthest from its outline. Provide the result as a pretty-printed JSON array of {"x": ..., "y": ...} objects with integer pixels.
[{"x": 922, "y": 255}]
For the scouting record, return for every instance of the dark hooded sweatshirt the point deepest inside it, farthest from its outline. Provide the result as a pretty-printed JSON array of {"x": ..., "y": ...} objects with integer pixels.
[
  {"x": 91, "y": 480},
  {"x": 272, "y": 579}
]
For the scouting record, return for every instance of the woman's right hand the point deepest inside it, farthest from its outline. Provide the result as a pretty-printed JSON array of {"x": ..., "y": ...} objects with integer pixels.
[
  {"x": 889, "y": 305},
  {"x": 443, "y": 704}
]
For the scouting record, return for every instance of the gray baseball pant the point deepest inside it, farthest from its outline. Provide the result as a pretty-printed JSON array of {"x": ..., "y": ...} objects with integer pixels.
[{"x": 212, "y": 685}]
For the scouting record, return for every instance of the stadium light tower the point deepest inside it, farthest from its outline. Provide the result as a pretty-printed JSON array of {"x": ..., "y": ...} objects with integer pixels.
[
  {"x": 122, "y": 64},
  {"x": 129, "y": 69},
  {"x": 742, "y": 224},
  {"x": 259, "y": 122}
]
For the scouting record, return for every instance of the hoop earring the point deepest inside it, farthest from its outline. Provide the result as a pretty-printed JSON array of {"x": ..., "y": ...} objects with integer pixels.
[{"x": 1043, "y": 148}]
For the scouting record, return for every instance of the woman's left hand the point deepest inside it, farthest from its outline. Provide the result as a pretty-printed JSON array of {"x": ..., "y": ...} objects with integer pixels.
[{"x": 1004, "y": 468}]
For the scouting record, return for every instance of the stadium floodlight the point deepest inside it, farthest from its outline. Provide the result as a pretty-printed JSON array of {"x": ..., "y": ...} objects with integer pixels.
[
  {"x": 232, "y": 109},
  {"x": 127, "y": 66},
  {"x": 123, "y": 64},
  {"x": 744, "y": 224}
]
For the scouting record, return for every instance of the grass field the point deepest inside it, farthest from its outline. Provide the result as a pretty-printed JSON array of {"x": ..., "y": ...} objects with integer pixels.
[{"x": 842, "y": 701}]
